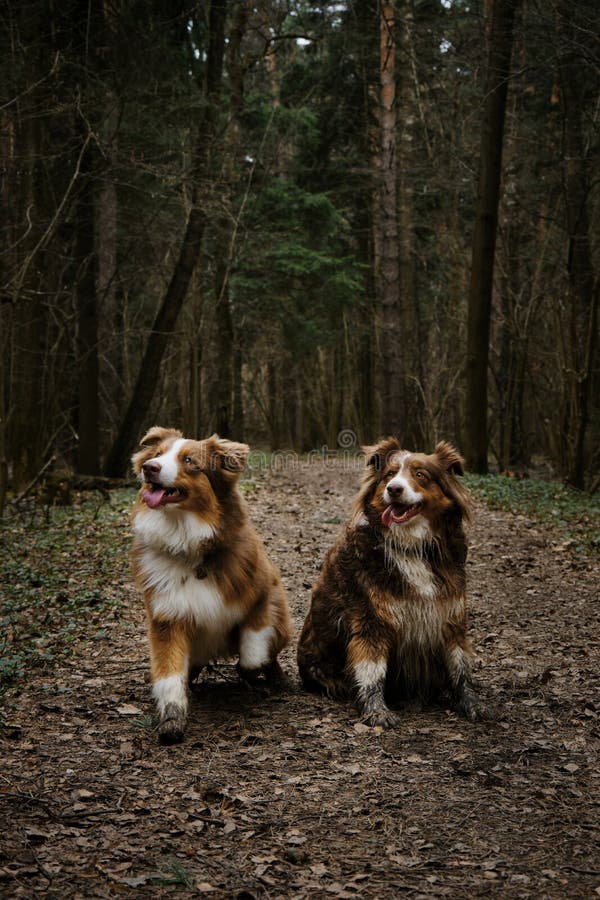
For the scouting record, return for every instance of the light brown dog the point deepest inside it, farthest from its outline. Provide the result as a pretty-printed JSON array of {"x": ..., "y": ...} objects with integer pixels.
[{"x": 210, "y": 590}]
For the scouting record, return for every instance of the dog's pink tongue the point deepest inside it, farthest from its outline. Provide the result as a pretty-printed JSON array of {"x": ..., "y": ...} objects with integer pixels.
[
  {"x": 387, "y": 516},
  {"x": 153, "y": 498}
]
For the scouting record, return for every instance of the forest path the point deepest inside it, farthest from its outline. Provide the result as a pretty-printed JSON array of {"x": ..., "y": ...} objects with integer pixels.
[{"x": 281, "y": 796}]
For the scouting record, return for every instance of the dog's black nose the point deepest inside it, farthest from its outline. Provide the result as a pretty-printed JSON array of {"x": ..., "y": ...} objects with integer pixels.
[
  {"x": 395, "y": 490},
  {"x": 151, "y": 468}
]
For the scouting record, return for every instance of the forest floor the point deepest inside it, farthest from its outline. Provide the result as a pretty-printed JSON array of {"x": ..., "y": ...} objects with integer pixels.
[{"x": 287, "y": 795}]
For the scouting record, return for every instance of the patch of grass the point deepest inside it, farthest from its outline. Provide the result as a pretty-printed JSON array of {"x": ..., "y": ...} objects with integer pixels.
[
  {"x": 175, "y": 873},
  {"x": 12, "y": 663},
  {"x": 62, "y": 580},
  {"x": 147, "y": 723},
  {"x": 572, "y": 515}
]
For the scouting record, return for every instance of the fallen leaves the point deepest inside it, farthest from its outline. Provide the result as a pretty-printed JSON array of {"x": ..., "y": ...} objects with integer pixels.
[
  {"x": 128, "y": 709},
  {"x": 291, "y": 796}
]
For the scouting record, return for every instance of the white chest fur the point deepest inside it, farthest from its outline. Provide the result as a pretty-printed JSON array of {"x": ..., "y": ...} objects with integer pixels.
[
  {"x": 172, "y": 531},
  {"x": 177, "y": 593},
  {"x": 420, "y": 615},
  {"x": 419, "y": 576},
  {"x": 406, "y": 553}
]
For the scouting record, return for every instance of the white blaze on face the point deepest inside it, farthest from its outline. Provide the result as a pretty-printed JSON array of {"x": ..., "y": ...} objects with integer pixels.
[
  {"x": 408, "y": 496},
  {"x": 169, "y": 463}
]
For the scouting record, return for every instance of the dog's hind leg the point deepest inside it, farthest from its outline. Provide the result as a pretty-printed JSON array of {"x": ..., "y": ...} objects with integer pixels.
[
  {"x": 170, "y": 652},
  {"x": 258, "y": 656},
  {"x": 256, "y": 651},
  {"x": 322, "y": 679},
  {"x": 262, "y": 636}
]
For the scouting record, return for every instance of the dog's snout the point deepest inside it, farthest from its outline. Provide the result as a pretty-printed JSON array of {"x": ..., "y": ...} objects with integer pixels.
[
  {"x": 151, "y": 468},
  {"x": 395, "y": 490}
]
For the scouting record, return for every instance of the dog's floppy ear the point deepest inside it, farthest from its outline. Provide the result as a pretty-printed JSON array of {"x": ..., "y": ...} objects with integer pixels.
[
  {"x": 231, "y": 454},
  {"x": 157, "y": 434},
  {"x": 377, "y": 455},
  {"x": 449, "y": 458}
]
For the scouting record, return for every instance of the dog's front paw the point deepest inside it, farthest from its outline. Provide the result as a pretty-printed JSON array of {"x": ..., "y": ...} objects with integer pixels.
[
  {"x": 470, "y": 707},
  {"x": 171, "y": 727},
  {"x": 382, "y": 717}
]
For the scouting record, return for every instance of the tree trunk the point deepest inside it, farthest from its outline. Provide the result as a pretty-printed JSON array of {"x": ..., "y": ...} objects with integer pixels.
[
  {"x": 238, "y": 391},
  {"x": 414, "y": 351},
  {"x": 224, "y": 381},
  {"x": 192, "y": 403},
  {"x": 367, "y": 230},
  {"x": 510, "y": 384},
  {"x": 4, "y": 356},
  {"x": 389, "y": 276},
  {"x": 273, "y": 406},
  {"x": 583, "y": 289},
  {"x": 228, "y": 394},
  {"x": 111, "y": 318},
  {"x": 166, "y": 319},
  {"x": 162, "y": 329},
  {"x": 88, "y": 425},
  {"x": 484, "y": 234},
  {"x": 28, "y": 203},
  {"x": 514, "y": 289},
  {"x": 27, "y": 346}
]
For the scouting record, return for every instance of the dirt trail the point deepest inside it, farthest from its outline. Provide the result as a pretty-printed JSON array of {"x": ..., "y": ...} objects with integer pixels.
[{"x": 286, "y": 796}]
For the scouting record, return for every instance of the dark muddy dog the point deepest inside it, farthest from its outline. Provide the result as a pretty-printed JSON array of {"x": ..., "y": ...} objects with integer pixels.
[{"x": 388, "y": 616}]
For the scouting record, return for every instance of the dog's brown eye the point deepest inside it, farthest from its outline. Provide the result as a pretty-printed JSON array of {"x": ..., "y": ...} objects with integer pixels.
[
  {"x": 422, "y": 476},
  {"x": 187, "y": 460},
  {"x": 389, "y": 473}
]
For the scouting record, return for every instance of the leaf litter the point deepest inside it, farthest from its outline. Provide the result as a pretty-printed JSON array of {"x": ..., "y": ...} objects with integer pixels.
[{"x": 287, "y": 795}]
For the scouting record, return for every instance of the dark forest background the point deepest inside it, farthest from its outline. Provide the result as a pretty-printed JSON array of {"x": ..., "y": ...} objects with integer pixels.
[{"x": 285, "y": 221}]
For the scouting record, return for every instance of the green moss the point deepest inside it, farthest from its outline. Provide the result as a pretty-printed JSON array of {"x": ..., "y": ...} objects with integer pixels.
[{"x": 64, "y": 578}]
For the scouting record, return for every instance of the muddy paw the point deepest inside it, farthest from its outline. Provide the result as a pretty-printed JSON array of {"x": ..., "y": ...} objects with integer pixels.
[
  {"x": 471, "y": 708},
  {"x": 384, "y": 718},
  {"x": 171, "y": 727}
]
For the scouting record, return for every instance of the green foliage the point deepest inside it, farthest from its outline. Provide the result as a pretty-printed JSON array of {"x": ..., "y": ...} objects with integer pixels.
[
  {"x": 574, "y": 516},
  {"x": 175, "y": 873},
  {"x": 11, "y": 663},
  {"x": 300, "y": 273},
  {"x": 290, "y": 193},
  {"x": 146, "y": 723}
]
